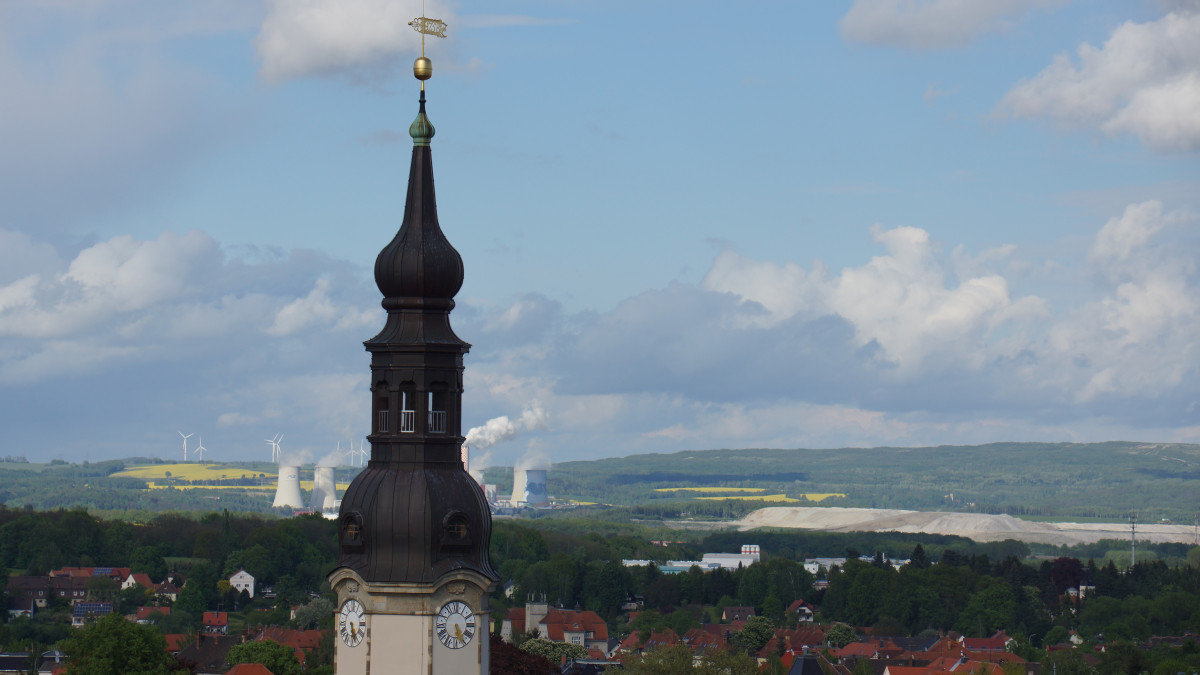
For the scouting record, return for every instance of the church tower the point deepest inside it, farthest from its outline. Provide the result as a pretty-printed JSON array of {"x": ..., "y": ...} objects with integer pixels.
[{"x": 413, "y": 573}]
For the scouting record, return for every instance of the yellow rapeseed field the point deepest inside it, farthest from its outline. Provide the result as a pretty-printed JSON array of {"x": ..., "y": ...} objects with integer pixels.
[
  {"x": 189, "y": 471},
  {"x": 710, "y": 489},
  {"x": 810, "y": 496},
  {"x": 821, "y": 496},
  {"x": 757, "y": 498},
  {"x": 156, "y": 477}
]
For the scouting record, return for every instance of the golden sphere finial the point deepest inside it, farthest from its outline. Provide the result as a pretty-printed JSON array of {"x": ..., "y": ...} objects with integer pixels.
[{"x": 422, "y": 68}]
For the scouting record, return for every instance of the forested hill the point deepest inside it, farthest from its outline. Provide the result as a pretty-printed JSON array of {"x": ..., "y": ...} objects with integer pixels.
[{"x": 1055, "y": 480}]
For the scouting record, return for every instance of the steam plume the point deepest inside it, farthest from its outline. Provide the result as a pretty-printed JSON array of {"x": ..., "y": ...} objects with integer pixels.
[{"x": 500, "y": 429}]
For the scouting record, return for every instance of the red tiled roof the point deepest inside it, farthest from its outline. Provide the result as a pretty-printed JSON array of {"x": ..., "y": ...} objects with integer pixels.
[
  {"x": 560, "y": 621},
  {"x": 142, "y": 580},
  {"x": 795, "y": 606},
  {"x": 299, "y": 640},
  {"x": 984, "y": 644},
  {"x": 249, "y": 669},
  {"x": 145, "y": 612},
  {"x": 516, "y": 616},
  {"x": 905, "y": 670},
  {"x": 216, "y": 619},
  {"x": 867, "y": 649},
  {"x": 175, "y": 641}
]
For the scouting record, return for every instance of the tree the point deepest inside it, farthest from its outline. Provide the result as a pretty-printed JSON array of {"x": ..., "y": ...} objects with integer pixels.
[
  {"x": 757, "y": 632},
  {"x": 840, "y": 635},
  {"x": 676, "y": 660},
  {"x": 314, "y": 614},
  {"x": 553, "y": 651},
  {"x": 113, "y": 646},
  {"x": 918, "y": 559},
  {"x": 988, "y": 610},
  {"x": 509, "y": 660},
  {"x": 148, "y": 560},
  {"x": 277, "y": 658}
]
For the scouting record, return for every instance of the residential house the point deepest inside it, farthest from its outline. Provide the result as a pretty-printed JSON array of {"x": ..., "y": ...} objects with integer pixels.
[
  {"x": 802, "y": 610},
  {"x": 35, "y": 588},
  {"x": 167, "y": 590},
  {"x": 206, "y": 655},
  {"x": 635, "y": 645},
  {"x": 86, "y": 612},
  {"x": 998, "y": 642},
  {"x": 300, "y": 641},
  {"x": 215, "y": 622},
  {"x": 117, "y": 574},
  {"x": 144, "y": 613},
  {"x": 732, "y": 613},
  {"x": 14, "y": 663},
  {"x": 138, "y": 579},
  {"x": 21, "y": 607},
  {"x": 249, "y": 669},
  {"x": 53, "y": 662},
  {"x": 73, "y": 588},
  {"x": 573, "y": 626},
  {"x": 243, "y": 581}
]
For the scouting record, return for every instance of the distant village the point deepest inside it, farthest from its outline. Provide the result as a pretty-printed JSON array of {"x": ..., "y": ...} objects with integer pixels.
[{"x": 776, "y": 634}]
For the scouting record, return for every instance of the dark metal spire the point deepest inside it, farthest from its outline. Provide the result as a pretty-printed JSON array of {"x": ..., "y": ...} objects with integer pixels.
[{"x": 415, "y": 514}]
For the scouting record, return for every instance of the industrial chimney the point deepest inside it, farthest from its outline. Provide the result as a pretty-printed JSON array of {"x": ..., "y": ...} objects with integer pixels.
[
  {"x": 518, "y": 494},
  {"x": 324, "y": 492},
  {"x": 535, "y": 488},
  {"x": 288, "y": 492}
]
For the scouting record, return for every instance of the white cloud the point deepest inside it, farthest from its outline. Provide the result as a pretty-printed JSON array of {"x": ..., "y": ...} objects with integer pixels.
[
  {"x": 305, "y": 37},
  {"x": 1144, "y": 80},
  {"x": 317, "y": 308},
  {"x": 900, "y": 301},
  {"x": 930, "y": 24},
  {"x": 124, "y": 296}
]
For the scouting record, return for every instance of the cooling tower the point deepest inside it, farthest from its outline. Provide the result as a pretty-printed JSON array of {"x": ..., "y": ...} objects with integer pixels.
[
  {"x": 288, "y": 492},
  {"x": 518, "y": 495},
  {"x": 324, "y": 493},
  {"x": 491, "y": 492},
  {"x": 535, "y": 488}
]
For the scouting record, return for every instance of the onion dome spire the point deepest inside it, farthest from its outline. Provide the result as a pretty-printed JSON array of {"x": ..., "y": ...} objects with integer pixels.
[{"x": 419, "y": 269}]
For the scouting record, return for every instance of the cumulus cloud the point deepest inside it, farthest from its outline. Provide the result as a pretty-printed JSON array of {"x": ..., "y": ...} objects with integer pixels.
[
  {"x": 305, "y": 37},
  {"x": 913, "y": 346},
  {"x": 1144, "y": 81},
  {"x": 930, "y": 24},
  {"x": 123, "y": 297}
]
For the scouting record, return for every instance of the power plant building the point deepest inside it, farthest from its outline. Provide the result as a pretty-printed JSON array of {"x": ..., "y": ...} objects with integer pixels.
[
  {"x": 324, "y": 492},
  {"x": 529, "y": 488},
  {"x": 288, "y": 491}
]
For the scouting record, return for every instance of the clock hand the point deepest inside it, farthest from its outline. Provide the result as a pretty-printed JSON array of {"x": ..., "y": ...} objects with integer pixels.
[{"x": 458, "y": 631}]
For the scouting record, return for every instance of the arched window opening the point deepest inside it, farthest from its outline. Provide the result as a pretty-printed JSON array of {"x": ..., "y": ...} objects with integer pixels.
[
  {"x": 382, "y": 407},
  {"x": 408, "y": 412},
  {"x": 437, "y": 412}
]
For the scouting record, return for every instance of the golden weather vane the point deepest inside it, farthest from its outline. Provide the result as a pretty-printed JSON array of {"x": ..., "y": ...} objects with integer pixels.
[{"x": 423, "y": 67}]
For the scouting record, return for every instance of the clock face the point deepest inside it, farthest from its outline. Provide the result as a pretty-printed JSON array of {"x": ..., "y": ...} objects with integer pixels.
[
  {"x": 455, "y": 624},
  {"x": 352, "y": 622}
]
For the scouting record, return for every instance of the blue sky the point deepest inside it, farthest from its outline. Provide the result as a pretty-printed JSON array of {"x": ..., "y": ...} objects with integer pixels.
[{"x": 684, "y": 225}]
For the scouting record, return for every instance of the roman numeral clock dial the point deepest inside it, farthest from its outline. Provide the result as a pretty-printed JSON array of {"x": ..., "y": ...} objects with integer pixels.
[
  {"x": 352, "y": 623},
  {"x": 455, "y": 624}
]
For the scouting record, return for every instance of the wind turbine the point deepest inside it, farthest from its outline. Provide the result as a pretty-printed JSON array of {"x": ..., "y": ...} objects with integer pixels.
[
  {"x": 362, "y": 454},
  {"x": 200, "y": 450},
  {"x": 185, "y": 445},
  {"x": 275, "y": 451}
]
